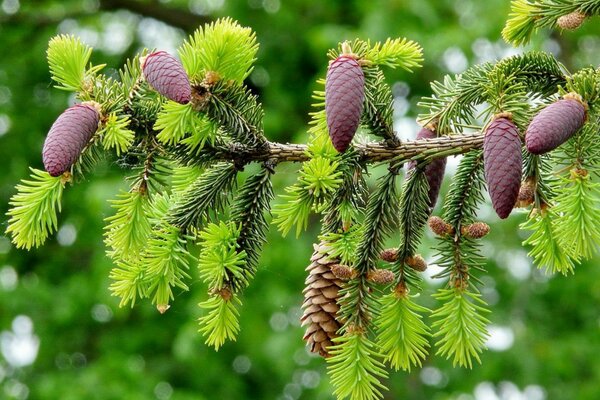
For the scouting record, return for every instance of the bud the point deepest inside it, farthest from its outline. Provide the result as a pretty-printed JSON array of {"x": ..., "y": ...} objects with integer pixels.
[
  {"x": 68, "y": 136},
  {"x": 344, "y": 95},
  {"x": 555, "y": 124},
  {"x": 526, "y": 193},
  {"x": 166, "y": 75},
  {"x": 381, "y": 276},
  {"x": 162, "y": 308},
  {"x": 439, "y": 226},
  {"x": 343, "y": 272},
  {"x": 476, "y": 230},
  {"x": 502, "y": 164},
  {"x": 416, "y": 262},
  {"x": 434, "y": 171},
  {"x": 571, "y": 21},
  {"x": 389, "y": 255}
]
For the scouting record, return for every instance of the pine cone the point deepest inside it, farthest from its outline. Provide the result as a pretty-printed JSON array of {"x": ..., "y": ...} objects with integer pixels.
[
  {"x": 572, "y": 20},
  {"x": 554, "y": 125},
  {"x": 68, "y": 136},
  {"x": 434, "y": 171},
  {"x": 476, "y": 230},
  {"x": 166, "y": 75},
  {"x": 344, "y": 95},
  {"x": 439, "y": 226},
  {"x": 320, "y": 301},
  {"x": 502, "y": 163}
]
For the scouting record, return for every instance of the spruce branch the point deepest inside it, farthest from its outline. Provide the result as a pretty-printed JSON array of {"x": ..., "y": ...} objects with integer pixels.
[
  {"x": 460, "y": 326},
  {"x": 378, "y": 113},
  {"x": 34, "y": 209},
  {"x": 223, "y": 48},
  {"x": 414, "y": 211},
  {"x": 546, "y": 250},
  {"x": 527, "y": 16},
  {"x": 208, "y": 195},
  {"x": 355, "y": 367},
  {"x": 115, "y": 133},
  {"x": 68, "y": 58},
  {"x": 380, "y": 221},
  {"x": 127, "y": 231},
  {"x": 402, "y": 334},
  {"x": 221, "y": 321},
  {"x": 235, "y": 109},
  {"x": 250, "y": 209}
]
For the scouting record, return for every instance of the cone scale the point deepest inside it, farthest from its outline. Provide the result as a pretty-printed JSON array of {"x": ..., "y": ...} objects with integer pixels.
[
  {"x": 344, "y": 95},
  {"x": 166, "y": 75},
  {"x": 502, "y": 161},
  {"x": 68, "y": 136}
]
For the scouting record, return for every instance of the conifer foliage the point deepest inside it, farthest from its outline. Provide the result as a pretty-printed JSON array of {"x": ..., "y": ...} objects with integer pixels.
[{"x": 200, "y": 193}]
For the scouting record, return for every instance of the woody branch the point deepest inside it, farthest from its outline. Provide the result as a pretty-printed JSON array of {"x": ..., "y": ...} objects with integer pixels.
[{"x": 371, "y": 152}]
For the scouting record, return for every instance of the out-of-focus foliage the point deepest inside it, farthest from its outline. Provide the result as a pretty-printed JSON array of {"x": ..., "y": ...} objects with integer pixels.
[{"x": 63, "y": 336}]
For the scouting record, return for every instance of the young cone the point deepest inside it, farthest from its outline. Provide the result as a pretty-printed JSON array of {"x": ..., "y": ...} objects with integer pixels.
[
  {"x": 320, "y": 301},
  {"x": 502, "y": 164},
  {"x": 344, "y": 95},
  {"x": 68, "y": 136},
  {"x": 555, "y": 124},
  {"x": 166, "y": 75},
  {"x": 572, "y": 20},
  {"x": 434, "y": 171}
]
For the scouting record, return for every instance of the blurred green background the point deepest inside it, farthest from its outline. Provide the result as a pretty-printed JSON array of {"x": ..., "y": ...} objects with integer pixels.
[{"x": 62, "y": 336}]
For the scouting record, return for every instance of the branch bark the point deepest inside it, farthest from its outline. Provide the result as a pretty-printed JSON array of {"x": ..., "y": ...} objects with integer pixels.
[{"x": 372, "y": 152}]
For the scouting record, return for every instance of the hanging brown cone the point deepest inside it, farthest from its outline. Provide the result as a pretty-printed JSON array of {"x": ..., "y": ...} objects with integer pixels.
[
  {"x": 320, "y": 301},
  {"x": 416, "y": 262},
  {"x": 389, "y": 255},
  {"x": 476, "y": 230},
  {"x": 439, "y": 226},
  {"x": 434, "y": 171},
  {"x": 381, "y": 276},
  {"x": 344, "y": 95},
  {"x": 502, "y": 163},
  {"x": 555, "y": 124},
  {"x": 69, "y": 135},
  {"x": 572, "y": 20},
  {"x": 343, "y": 272},
  {"x": 526, "y": 193},
  {"x": 166, "y": 75}
]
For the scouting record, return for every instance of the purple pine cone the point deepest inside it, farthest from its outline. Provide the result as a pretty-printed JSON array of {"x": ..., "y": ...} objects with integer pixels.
[
  {"x": 166, "y": 75},
  {"x": 502, "y": 161},
  {"x": 554, "y": 125},
  {"x": 434, "y": 171},
  {"x": 344, "y": 95},
  {"x": 68, "y": 136}
]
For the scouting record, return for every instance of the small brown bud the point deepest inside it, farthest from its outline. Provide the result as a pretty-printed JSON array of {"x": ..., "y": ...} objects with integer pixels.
[
  {"x": 526, "y": 193},
  {"x": 343, "y": 272},
  {"x": 381, "y": 276},
  {"x": 401, "y": 290},
  {"x": 389, "y": 255},
  {"x": 476, "y": 230},
  {"x": 571, "y": 21},
  {"x": 440, "y": 227},
  {"x": 416, "y": 262}
]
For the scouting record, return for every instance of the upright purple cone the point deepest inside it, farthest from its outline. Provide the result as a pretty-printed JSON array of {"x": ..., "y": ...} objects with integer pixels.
[
  {"x": 68, "y": 136},
  {"x": 554, "y": 125},
  {"x": 434, "y": 171},
  {"x": 344, "y": 95},
  {"x": 166, "y": 75},
  {"x": 502, "y": 163}
]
